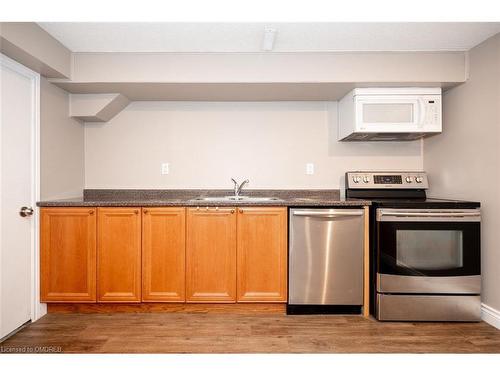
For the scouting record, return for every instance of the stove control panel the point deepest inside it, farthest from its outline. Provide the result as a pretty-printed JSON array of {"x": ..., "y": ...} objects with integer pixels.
[{"x": 386, "y": 180}]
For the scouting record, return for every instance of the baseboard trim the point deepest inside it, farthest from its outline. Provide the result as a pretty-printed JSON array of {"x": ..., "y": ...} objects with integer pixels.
[
  {"x": 238, "y": 308},
  {"x": 490, "y": 315}
]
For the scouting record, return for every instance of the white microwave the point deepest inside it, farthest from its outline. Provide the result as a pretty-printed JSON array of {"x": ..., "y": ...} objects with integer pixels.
[{"x": 390, "y": 114}]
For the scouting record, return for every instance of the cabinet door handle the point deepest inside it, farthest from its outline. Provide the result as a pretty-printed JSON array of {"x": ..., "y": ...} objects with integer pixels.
[
  {"x": 227, "y": 210},
  {"x": 91, "y": 212},
  {"x": 217, "y": 209},
  {"x": 136, "y": 212},
  {"x": 241, "y": 210},
  {"x": 145, "y": 211}
]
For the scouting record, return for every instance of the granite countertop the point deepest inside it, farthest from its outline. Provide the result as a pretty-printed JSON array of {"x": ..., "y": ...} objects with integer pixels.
[{"x": 188, "y": 197}]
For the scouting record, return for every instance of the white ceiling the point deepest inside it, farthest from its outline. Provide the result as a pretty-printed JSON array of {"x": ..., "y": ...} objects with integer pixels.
[{"x": 290, "y": 37}]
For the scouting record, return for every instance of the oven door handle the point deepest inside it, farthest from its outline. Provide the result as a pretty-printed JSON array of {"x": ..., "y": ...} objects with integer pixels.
[
  {"x": 422, "y": 216},
  {"x": 432, "y": 214}
]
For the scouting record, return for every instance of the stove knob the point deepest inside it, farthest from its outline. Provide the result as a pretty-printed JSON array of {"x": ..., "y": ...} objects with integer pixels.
[
  {"x": 356, "y": 179},
  {"x": 408, "y": 179},
  {"x": 366, "y": 179},
  {"x": 418, "y": 179}
]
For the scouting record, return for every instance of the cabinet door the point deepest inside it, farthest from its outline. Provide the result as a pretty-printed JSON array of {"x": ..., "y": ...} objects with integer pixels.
[
  {"x": 211, "y": 255},
  {"x": 262, "y": 254},
  {"x": 119, "y": 255},
  {"x": 68, "y": 255},
  {"x": 163, "y": 254}
]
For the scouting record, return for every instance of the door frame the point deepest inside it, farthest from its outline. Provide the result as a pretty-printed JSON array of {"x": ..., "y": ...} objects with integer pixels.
[{"x": 38, "y": 309}]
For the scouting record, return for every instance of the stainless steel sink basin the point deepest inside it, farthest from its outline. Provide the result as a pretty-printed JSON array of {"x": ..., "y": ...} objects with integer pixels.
[{"x": 236, "y": 199}]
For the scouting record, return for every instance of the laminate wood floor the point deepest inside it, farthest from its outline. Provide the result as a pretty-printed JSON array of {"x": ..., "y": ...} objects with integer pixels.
[{"x": 253, "y": 332}]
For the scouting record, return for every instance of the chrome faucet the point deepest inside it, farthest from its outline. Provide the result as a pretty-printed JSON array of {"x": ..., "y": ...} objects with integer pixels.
[{"x": 238, "y": 187}]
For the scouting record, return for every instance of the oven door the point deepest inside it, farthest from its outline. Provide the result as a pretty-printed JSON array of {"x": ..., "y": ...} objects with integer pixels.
[{"x": 428, "y": 251}]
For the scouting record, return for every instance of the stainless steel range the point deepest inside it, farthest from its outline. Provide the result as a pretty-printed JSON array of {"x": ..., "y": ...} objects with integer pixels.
[{"x": 425, "y": 252}]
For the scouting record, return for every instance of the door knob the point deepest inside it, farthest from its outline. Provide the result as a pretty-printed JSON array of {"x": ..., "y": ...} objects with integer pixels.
[{"x": 26, "y": 211}]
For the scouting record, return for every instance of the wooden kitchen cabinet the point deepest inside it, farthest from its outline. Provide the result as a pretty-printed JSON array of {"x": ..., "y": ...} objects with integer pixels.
[
  {"x": 119, "y": 255},
  {"x": 163, "y": 254},
  {"x": 68, "y": 255},
  {"x": 211, "y": 255},
  {"x": 262, "y": 254}
]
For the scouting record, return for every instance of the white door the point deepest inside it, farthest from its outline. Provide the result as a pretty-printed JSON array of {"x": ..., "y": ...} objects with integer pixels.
[{"x": 18, "y": 124}]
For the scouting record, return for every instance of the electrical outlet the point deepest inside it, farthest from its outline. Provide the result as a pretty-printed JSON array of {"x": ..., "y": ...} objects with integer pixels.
[
  {"x": 310, "y": 168},
  {"x": 165, "y": 168}
]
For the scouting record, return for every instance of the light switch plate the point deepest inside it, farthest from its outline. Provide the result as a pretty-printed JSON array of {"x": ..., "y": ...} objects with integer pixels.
[
  {"x": 165, "y": 168},
  {"x": 310, "y": 168}
]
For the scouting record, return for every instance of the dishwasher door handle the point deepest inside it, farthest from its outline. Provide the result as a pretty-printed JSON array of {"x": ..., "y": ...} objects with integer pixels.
[{"x": 331, "y": 214}]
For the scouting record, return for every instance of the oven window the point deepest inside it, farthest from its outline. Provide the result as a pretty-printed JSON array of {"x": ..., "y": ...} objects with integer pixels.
[{"x": 428, "y": 250}]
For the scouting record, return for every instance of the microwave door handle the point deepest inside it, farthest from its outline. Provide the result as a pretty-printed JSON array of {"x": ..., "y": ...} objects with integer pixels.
[{"x": 421, "y": 114}]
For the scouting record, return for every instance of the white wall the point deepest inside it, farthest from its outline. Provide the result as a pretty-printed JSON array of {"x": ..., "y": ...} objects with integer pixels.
[
  {"x": 464, "y": 161},
  {"x": 369, "y": 67},
  {"x": 32, "y": 46},
  {"x": 207, "y": 143},
  {"x": 61, "y": 145}
]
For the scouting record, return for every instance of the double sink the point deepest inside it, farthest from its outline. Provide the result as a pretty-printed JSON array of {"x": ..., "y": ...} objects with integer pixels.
[{"x": 234, "y": 198}]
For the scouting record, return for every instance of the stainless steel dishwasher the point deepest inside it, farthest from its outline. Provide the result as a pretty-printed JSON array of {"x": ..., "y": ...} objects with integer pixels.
[{"x": 325, "y": 260}]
